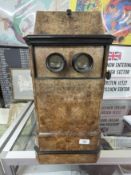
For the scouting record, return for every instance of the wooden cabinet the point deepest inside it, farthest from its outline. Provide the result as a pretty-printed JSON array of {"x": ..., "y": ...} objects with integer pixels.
[{"x": 68, "y": 98}]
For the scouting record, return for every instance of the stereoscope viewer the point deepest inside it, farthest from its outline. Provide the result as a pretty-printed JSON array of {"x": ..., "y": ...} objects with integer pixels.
[{"x": 68, "y": 62}]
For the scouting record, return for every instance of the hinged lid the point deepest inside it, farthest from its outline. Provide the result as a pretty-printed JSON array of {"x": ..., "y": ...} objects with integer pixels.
[{"x": 73, "y": 23}]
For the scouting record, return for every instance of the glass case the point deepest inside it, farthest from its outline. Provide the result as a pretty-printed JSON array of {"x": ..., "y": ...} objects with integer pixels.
[
  {"x": 16, "y": 114},
  {"x": 71, "y": 170},
  {"x": 18, "y": 155},
  {"x": 11, "y": 115}
]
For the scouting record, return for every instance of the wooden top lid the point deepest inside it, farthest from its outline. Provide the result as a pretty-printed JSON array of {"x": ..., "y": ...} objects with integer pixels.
[{"x": 71, "y": 23}]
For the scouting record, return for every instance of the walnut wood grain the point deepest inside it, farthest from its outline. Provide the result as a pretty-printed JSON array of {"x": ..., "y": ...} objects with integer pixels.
[
  {"x": 67, "y": 142},
  {"x": 65, "y": 105},
  {"x": 67, "y": 158},
  {"x": 60, "y": 23},
  {"x": 68, "y": 109}
]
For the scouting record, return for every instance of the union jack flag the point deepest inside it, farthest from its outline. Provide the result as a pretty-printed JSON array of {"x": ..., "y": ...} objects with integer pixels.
[{"x": 114, "y": 56}]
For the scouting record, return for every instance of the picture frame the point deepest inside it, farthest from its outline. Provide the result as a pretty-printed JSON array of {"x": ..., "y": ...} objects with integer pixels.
[{"x": 21, "y": 84}]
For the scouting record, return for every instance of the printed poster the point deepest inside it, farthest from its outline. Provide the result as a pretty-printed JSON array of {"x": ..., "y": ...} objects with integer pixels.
[
  {"x": 112, "y": 113},
  {"x": 119, "y": 64},
  {"x": 116, "y": 16},
  {"x": 117, "y": 91},
  {"x": 85, "y": 5},
  {"x": 17, "y": 18},
  {"x": 117, "y": 19}
]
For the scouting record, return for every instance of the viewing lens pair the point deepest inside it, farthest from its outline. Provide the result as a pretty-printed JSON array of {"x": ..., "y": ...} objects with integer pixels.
[{"x": 81, "y": 62}]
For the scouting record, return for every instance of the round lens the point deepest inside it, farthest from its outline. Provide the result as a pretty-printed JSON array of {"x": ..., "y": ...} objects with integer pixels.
[
  {"x": 55, "y": 62},
  {"x": 82, "y": 62}
]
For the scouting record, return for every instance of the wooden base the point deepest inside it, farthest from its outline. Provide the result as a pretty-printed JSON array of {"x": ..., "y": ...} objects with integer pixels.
[
  {"x": 67, "y": 158},
  {"x": 65, "y": 143}
]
